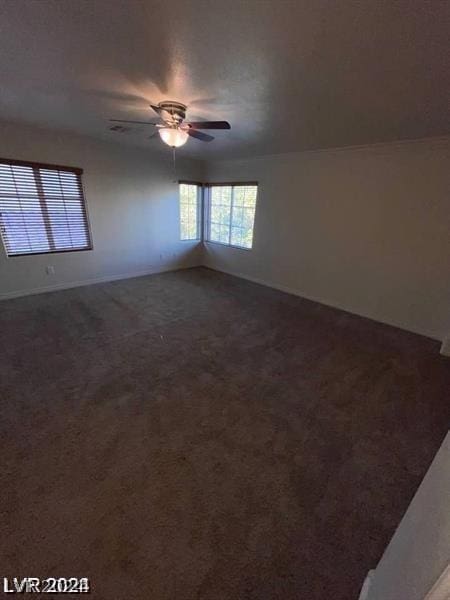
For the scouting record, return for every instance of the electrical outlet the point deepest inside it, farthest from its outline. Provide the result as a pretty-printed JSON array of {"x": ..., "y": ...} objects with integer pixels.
[{"x": 50, "y": 270}]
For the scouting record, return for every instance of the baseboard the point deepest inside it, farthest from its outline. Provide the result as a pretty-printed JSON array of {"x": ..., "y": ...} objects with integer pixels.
[
  {"x": 91, "y": 281},
  {"x": 441, "y": 589},
  {"x": 294, "y": 292},
  {"x": 445, "y": 348},
  {"x": 364, "y": 595}
]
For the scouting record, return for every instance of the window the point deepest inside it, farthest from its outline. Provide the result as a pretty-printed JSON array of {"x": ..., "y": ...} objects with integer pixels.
[
  {"x": 232, "y": 214},
  {"x": 42, "y": 209},
  {"x": 189, "y": 211}
]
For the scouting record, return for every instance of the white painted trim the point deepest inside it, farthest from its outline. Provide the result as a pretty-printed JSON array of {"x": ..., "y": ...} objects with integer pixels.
[
  {"x": 445, "y": 348},
  {"x": 102, "y": 279},
  {"x": 442, "y": 140},
  {"x": 364, "y": 595},
  {"x": 441, "y": 589},
  {"x": 288, "y": 290}
]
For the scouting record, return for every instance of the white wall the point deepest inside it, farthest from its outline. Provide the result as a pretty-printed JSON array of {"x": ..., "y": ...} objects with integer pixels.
[
  {"x": 133, "y": 209},
  {"x": 419, "y": 552},
  {"x": 364, "y": 229}
]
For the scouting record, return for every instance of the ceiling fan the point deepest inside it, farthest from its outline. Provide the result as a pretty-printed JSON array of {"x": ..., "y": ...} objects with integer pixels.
[{"x": 174, "y": 130}]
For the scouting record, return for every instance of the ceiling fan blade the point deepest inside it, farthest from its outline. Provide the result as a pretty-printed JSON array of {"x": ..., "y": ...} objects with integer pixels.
[
  {"x": 204, "y": 137},
  {"x": 135, "y": 122},
  {"x": 156, "y": 134},
  {"x": 210, "y": 125},
  {"x": 157, "y": 110}
]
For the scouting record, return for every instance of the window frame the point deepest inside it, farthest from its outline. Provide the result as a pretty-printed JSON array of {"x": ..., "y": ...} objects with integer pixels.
[
  {"x": 200, "y": 203},
  {"x": 51, "y": 167},
  {"x": 207, "y": 212}
]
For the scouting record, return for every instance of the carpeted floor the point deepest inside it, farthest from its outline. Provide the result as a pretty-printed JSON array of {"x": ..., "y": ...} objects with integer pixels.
[{"x": 194, "y": 436}]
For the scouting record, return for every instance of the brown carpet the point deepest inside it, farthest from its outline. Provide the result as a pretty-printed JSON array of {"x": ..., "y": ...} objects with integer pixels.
[{"x": 194, "y": 436}]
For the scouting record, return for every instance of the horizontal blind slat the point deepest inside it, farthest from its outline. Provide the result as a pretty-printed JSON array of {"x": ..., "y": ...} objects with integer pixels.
[{"x": 42, "y": 208}]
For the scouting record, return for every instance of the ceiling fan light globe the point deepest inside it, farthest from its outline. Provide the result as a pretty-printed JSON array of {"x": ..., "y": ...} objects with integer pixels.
[{"x": 173, "y": 137}]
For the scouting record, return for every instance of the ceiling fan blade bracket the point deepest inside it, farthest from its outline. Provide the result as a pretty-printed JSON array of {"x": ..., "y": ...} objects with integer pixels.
[{"x": 156, "y": 109}]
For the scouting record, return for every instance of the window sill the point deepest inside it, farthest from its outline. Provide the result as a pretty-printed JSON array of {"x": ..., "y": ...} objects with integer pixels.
[
  {"x": 228, "y": 245},
  {"x": 50, "y": 252}
]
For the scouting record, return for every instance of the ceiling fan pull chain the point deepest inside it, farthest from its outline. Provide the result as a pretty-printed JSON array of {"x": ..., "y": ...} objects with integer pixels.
[{"x": 174, "y": 165}]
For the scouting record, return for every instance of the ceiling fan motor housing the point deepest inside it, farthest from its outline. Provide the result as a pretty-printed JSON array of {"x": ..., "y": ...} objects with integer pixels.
[{"x": 176, "y": 110}]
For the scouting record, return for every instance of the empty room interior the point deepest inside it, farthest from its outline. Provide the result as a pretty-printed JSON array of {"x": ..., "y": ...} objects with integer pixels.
[{"x": 225, "y": 299}]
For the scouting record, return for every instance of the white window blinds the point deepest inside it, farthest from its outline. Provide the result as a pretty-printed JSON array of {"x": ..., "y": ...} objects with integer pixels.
[{"x": 42, "y": 209}]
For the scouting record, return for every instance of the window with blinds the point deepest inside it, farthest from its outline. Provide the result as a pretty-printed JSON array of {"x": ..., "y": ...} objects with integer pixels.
[{"x": 42, "y": 209}]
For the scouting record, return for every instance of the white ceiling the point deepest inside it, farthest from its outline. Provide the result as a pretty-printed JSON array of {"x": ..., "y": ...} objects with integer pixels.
[{"x": 288, "y": 75}]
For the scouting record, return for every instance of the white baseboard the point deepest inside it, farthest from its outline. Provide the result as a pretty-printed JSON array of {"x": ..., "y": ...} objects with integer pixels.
[
  {"x": 445, "y": 348},
  {"x": 102, "y": 279},
  {"x": 364, "y": 595},
  {"x": 288, "y": 290},
  {"x": 441, "y": 589}
]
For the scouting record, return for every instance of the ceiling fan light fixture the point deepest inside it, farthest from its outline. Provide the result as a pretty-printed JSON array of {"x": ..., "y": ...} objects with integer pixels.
[
  {"x": 174, "y": 131},
  {"x": 173, "y": 137}
]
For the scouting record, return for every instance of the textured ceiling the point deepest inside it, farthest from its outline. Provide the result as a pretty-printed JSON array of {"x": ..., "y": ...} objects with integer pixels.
[{"x": 288, "y": 75}]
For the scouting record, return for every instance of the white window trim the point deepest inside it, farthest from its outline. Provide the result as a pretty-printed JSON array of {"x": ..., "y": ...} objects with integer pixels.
[
  {"x": 207, "y": 213},
  {"x": 204, "y": 213}
]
